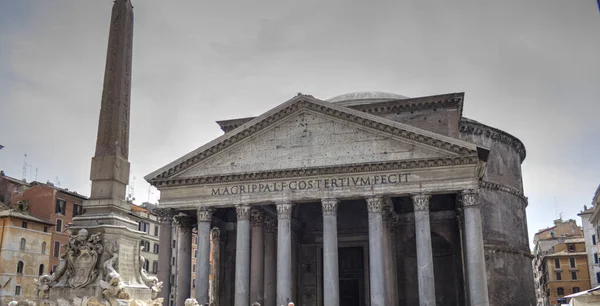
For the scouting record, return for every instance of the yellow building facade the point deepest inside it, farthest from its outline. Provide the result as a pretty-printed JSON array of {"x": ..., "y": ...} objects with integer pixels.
[
  {"x": 24, "y": 254},
  {"x": 567, "y": 270}
]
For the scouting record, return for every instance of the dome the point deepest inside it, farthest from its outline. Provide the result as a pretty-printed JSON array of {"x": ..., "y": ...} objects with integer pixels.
[{"x": 365, "y": 96}]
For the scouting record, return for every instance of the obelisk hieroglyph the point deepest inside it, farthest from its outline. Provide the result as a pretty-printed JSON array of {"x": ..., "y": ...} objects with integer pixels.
[{"x": 110, "y": 165}]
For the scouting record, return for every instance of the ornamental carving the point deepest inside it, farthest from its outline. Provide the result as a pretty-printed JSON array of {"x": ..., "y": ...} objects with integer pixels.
[
  {"x": 421, "y": 201},
  {"x": 387, "y": 210},
  {"x": 374, "y": 204},
  {"x": 470, "y": 198},
  {"x": 150, "y": 281},
  {"x": 270, "y": 225},
  {"x": 184, "y": 221},
  {"x": 315, "y": 105},
  {"x": 82, "y": 255},
  {"x": 257, "y": 218},
  {"x": 284, "y": 210},
  {"x": 329, "y": 206},
  {"x": 215, "y": 234},
  {"x": 165, "y": 215},
  {"x": 242, "y": 212},
  {"x": 204, "y": 214},
  {"x": 500, "y": 187}
]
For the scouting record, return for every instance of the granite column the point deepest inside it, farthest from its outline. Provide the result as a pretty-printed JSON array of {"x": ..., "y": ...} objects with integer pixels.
[
  {"x": 475, "y": 257},
  {"x": 424, "y": 250},
  {"x": 331, "y": 282},
  {"x": 270, "y": 276},
  {"x": 376, "y": 264},
  {"x": 242, "y": 256},
  {"x": 204, "y": 216},
  {"x": 284, "y": 253},
  {"x": 391, "y": 287},
  {"x": 165, "y": 251},
  {"x": 257, "y": 258},
  {"x": 184, "y": 258}
]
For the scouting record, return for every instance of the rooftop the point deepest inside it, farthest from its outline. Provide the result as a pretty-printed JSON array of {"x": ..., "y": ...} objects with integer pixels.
[{"x": 17, "y": 214}]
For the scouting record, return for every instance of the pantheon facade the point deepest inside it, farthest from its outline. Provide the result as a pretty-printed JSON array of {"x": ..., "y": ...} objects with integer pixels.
[{"x": 367, "y": 198}]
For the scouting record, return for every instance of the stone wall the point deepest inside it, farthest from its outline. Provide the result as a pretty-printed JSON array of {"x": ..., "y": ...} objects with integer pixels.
[{"x": 504, "y": 218}]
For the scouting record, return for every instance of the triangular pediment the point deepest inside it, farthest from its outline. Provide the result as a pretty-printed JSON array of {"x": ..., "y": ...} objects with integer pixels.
[{"x": 308, "y": 133}]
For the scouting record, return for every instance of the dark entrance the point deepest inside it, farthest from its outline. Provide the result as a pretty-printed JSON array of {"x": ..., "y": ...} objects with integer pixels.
[{"x": 352, "y": 277}]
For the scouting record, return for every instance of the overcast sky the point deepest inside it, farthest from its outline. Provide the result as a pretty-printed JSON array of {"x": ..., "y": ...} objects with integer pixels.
[{"x": 531, "y": 68}]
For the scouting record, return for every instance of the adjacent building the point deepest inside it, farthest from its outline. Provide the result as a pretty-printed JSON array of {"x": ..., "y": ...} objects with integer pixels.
[
  {"x": 591, "y": 239},
  {"x": 24, "y": 252},
  {"x": 147, "y": 223},
  {"x": 559, "y": 260}
]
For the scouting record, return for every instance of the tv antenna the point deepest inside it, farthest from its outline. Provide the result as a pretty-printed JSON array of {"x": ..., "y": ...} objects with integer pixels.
[{"x": 25, "y": 168}]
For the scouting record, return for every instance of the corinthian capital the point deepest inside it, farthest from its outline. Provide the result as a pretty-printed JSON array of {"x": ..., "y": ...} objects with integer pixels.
[
  {"x": 470, "y": 198},
  {"x": 374, "y": 204},
  {"x": 184, "y": 221},
  {"x": 421, "y": 201},
  {"x": 204, "y": 214},
  {"x": 257, "y": 218},
  {"x": 329, "y": 206},
  {"x": 242, "y": 212},
  {"x": 284, "y": 210},
  {"x": 165, "y": 215}
]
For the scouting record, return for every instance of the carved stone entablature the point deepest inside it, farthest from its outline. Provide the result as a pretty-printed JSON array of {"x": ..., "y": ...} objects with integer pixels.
[
  {"x": 242, "y": 212},
  {"x": 421, "y": 201},
  {"x": 184, "y": 221},
  {"x": 284, "y": 210},
  {"x": 374, "y": 204},
  {"x": 470, "y": 198},
  {"x": 257, "y": 218},
  {"x": 325, "y": 170},
  {"x": 290, "y": 107},
  {"x": 270, "y": 225},
  {"x": 500, "y": 187},
  {"x": 329, "y": 206},
  {"x": 468, "y": 126},
  {"x": 204, "y": 214},
  {"x": 165, "y": 215},
  {"x": 445, "y": 215}
]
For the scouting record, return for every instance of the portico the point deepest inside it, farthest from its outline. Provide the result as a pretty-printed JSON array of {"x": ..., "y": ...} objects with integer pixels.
[{"x": 377, "y": 212}]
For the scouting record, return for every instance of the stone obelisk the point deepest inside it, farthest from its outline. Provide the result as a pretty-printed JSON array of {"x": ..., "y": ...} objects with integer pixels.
[{"x": 106, "y": 212}]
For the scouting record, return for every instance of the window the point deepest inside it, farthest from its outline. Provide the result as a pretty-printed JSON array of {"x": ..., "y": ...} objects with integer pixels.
[
  {"x": 156, "y": 230},
  {"x": 45, "y": 229},
  {"x": 558, "y": 276},
  {"x": 20, "y": 267},
  {"x": 557, "y": 263},
  {"x": 552, "y": 234},
  {"x": 594, "y": 239},
  {"x": 58, "y": 225},
  {"x": 156, "y": 248},
  {"x": 571, "y": 247},
  {"x": 194, "y": 268},
  {"x": 61, "y": 207},
  {"x": 194, "y": 283},
  {"x": 41, "y": 270},
  {"x": 596, "y": 258},
  {"x": 574, "y": 275},
  {"x": 23, "y": 242},
  {"x": 144, "y": 227},
  {"x": 24, "y": 224},
  {"x": 18, "y": 290},
  {"x": 154, "y": 266},
  {"x": 598, "y": 277},
  {"x": 44, "y": 247},
  {"x": 53, "y": 269},
  {"x": 172, "y": 261},
  {"x": 575, "y": 289},
  {"x": 146, "y": 264},
  {"x": 195, "y": 253},
  {"x": 572, "y": 262},
  {"x": 77, "y": 210},
  {"x": 560, "y": 291},
  {"x": 56, "y": 249}
]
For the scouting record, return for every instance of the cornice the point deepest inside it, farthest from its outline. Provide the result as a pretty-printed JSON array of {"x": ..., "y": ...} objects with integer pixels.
[
  {"x": 290, "y": 107},
  {"x": 493, "y": 248},
  {"x": 319, "y": 171},
  {"x": 469, "y": 126},
  {"x": 500, "y": 187}
]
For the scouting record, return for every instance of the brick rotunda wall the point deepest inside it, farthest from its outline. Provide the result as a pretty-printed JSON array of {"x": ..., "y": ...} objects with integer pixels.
[{"x": 507, "y": 254}]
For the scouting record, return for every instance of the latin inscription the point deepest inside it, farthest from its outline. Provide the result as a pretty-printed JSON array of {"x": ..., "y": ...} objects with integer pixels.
[
  {"x": 126, "y": 261},
  {"x": 341, "y": 182}
]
